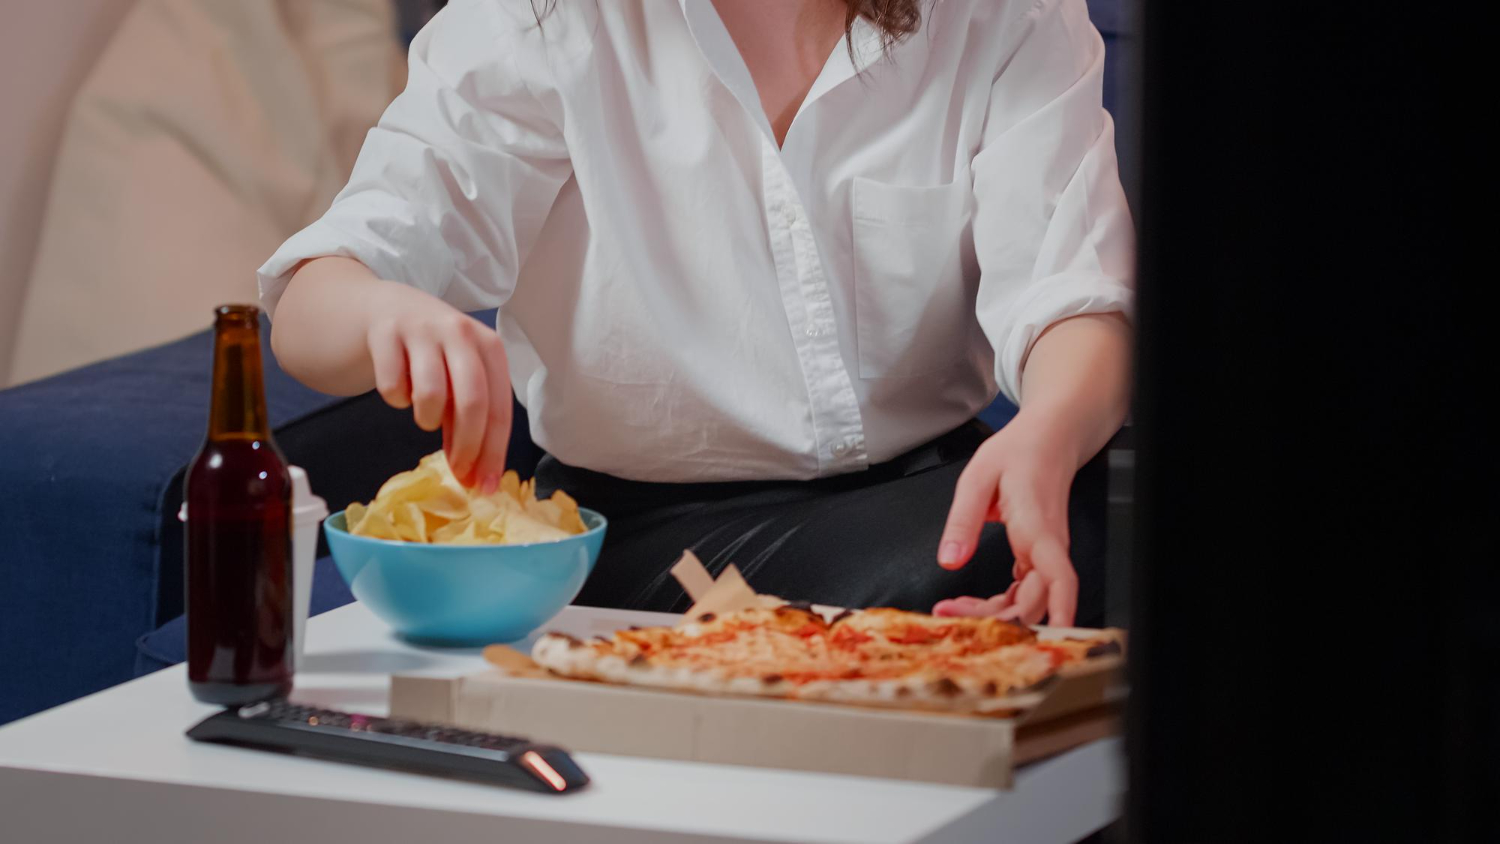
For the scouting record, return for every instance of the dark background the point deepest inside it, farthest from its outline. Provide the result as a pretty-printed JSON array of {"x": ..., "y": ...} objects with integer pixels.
[{"x": 1314, "y": 642}]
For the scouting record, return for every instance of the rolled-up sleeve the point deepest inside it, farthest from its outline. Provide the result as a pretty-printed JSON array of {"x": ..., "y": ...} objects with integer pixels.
[
  {"x": 454, "y": 183},
  {"x": 1052, "y": 231}
]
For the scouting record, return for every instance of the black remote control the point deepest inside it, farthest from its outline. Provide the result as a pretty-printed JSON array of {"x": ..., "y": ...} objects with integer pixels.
[{"x": 394, "y": 743}]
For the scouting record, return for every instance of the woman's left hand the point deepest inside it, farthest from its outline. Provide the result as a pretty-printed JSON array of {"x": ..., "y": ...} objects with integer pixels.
[
  {"x": 1021, "y": 476},
  {"x": 1075, "y": 390}
]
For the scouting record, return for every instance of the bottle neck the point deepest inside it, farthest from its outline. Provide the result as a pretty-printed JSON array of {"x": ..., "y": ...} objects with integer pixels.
[{"x": 237, "y": 410}]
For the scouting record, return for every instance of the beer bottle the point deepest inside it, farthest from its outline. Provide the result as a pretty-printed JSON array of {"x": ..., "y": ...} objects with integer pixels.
[{"x": 239, "y": 541}]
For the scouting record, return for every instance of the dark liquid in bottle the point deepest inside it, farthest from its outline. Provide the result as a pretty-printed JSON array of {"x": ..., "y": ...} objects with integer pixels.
[
  {"x": 239, "y": 548},
  {"x": 239, "y": 580}
]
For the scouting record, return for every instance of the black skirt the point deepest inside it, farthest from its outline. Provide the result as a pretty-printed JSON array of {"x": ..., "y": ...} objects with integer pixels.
[{"x": 862, "y": 539}]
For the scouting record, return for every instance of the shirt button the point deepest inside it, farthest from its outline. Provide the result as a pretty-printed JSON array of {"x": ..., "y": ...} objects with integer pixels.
[
  {"x": 790, "y": 213},
  {"x": 840, "y": 449},
  {"x": 814, "y": 331}
]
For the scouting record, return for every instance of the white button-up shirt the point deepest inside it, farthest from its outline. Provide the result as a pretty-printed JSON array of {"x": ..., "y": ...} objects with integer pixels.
[{"x": 683, "y": 300}]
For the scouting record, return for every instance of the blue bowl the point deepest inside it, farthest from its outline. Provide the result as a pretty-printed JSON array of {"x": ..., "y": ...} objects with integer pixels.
[{"x": 463, "y": 595}]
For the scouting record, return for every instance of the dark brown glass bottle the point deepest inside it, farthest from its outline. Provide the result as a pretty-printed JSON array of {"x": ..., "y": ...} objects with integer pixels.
[{"x": 239, "y": 540}]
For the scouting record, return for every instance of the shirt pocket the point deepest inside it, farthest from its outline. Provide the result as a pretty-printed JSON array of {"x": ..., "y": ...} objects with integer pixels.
[{"x": 913, "y": 267}]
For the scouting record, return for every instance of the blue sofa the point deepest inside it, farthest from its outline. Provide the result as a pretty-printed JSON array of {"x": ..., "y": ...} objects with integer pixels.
[{"x": 91, "y": 465}]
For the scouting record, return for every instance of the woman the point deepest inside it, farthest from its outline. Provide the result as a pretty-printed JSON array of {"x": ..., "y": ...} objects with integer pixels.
[{"x": 758, "y": 265}]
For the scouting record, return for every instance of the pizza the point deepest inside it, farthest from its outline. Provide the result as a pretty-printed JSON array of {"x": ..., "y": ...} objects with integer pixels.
[{"x": 881, "y": 657}]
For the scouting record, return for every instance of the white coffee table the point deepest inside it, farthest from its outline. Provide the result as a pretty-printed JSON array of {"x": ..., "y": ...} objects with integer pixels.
[{"x": 115, "y": 767}]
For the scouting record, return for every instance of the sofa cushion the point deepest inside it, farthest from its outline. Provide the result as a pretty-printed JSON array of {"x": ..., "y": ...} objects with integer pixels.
[{"x": 206, "y": 134}]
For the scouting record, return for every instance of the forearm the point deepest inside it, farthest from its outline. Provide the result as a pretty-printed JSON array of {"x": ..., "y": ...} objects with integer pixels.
[
  {"x": 320, "y": 333},
  {"x": 1076, "y": 382}
]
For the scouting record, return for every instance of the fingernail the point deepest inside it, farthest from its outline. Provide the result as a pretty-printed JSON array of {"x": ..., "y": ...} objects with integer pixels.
[
  {"x": 950, "y": 552},
  {"x": 491, "y": 483}
]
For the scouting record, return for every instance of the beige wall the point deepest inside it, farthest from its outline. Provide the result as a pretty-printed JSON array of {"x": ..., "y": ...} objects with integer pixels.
[{"x": 46, "y": 50}]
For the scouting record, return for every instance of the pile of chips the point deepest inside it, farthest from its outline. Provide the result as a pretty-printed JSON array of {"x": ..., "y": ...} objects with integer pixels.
[{"x": 428, "y": 504}]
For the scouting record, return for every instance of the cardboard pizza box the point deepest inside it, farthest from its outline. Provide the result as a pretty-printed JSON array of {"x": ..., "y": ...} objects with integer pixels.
[
  {"x": 518, "y": 698},
  {"x": 834, "y": 738}
]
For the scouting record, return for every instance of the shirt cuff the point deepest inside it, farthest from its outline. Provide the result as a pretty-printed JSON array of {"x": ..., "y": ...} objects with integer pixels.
[
  {"x": 394, "y": 245},
  {"x": 1049, "y": 302}
]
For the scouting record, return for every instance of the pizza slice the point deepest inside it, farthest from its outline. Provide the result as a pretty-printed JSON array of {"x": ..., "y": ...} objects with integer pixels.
[{"x": 876, "y": 657}]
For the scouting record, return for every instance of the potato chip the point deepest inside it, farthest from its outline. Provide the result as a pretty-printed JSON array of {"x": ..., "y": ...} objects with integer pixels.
[
  {"x": 378, "y": 524},
  {"x": 437, "y": 462},
  {"x": 546, "y": 512},
  {"x": 446, "y": 505},
  {"x": 570, "y": 521},
  {"x": 510, "y": 484},
  {"x": 415, "y": 485},
  {"x": 447, "y": 532},
  {"x": 353, "y": 515},
  {"x": 410, "y": 522},
  {"x": 484, "y": 510},
  {"x": 521, "y": 528},
  {"x": 428, "y": 504},
  {"x": 470, "y": 536}
]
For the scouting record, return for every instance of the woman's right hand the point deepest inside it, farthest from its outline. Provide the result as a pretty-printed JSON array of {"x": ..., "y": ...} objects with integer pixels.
[
  {"x": 451, "y": 370},
  {"x": 341, "y": 329}
]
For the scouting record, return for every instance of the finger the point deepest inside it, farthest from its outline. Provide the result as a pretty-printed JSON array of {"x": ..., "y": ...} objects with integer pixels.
[
  {"x": 429, "y": 384},
  {"x": 965, "y": 608},
  {"x": 957, "y": 606},
  {"x": 389, "y": 361},
  {"x": 1036, "y": 614},
  {"x": 490, "y": 464},
  {"x": 1030, "y": 601},
  {"x": 469, "y": 405},
  {"x": 973, "y": 607},
  {"x": 1031, "y": 598},
  {"x": 999, "y": 603},
  {"x": 948, "y": 608},
  {"x": 1009, "y": 596},
  {"x": 1022, "y": 526},
  {"x": 1030, "y": 509},
  {"x": 973, "y": 498},
  {"x": 1021, "y": 530},
  {"x": 1050, "y": 556}
]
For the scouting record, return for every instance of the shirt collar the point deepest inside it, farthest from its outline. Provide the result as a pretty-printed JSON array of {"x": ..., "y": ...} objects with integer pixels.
[
  {"x": 724, "y": 57},
  {"x": 865, "y": 39},
  {"x": 716, "y": 45}
]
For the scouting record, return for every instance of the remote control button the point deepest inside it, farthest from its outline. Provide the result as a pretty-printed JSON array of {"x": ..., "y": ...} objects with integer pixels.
[{"x": 254, "y": 710}]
